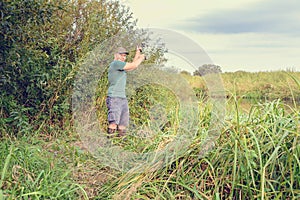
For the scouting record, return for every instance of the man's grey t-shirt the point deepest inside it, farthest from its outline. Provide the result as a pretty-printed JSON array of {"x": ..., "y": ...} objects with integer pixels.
[{"x": 117, "y": 79}]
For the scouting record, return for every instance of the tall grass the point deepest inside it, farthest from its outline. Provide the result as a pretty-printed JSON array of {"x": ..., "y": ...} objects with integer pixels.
[
  {"x": 33, "y": 169},
  {"x": 266, "y": 85},
  {"x": 256, "y": 157}
]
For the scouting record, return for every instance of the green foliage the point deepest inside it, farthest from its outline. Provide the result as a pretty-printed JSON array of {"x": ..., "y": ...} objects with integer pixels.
[
  {"x": 264, "y": 85},
  {"x": 24, "y": 65},
  {"x": 35, "y": 170},
  {"x": 256, "y": 157},
  {"x": 153, "y": 108},
  {"x": 254, "y": 85},
  {"x": 207, "y": 69},
  {"x": 101, "y": 95},
  {"x": 148, "y": 97},
  {"x": 42, "y": 45}
]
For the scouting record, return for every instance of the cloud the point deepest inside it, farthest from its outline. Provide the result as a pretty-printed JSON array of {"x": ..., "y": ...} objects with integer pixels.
[{"x": 272, "y": 16}]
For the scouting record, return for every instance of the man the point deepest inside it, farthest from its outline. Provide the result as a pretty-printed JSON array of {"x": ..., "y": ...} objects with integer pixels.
[{"x": 117, "y": 104}]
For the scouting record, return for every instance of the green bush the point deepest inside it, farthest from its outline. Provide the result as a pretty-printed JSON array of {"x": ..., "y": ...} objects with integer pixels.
[{"x": 42, "y": 44}]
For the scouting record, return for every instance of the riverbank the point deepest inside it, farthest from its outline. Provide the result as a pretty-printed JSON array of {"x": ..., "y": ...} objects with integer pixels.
[
  {"x": 255, "y": 157},
  {"x": 254, "y": 85}
]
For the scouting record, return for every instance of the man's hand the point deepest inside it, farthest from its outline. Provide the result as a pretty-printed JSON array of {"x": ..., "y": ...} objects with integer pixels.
[
  {"x": 137, "y": 60},
  {"x": 139, "y": 52},
  {"x": 143, "y": 56},
  {"x": 139, "y": 49}
]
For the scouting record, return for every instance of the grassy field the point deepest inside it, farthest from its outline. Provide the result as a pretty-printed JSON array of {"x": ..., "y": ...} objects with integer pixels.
[
  {"x": 258, "y": 85},
  {"x": 255, "y": 157}
]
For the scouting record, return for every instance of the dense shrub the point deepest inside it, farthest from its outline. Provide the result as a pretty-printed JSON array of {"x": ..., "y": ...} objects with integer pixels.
[{"x": 42, "y": 44}]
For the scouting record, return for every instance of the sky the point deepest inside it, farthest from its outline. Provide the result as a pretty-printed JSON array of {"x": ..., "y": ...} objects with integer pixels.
[{"x": 248, "y": 35}]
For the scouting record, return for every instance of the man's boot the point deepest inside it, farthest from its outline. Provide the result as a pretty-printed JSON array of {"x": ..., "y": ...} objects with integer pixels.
[
  {"x": 111, "y": 132},
  {"x": 122, "y": 133}
]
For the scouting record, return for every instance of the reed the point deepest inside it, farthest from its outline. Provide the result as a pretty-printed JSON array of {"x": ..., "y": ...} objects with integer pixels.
[
  {"x": 255, "y": 157},
  {"x": 256, "y": 85}
]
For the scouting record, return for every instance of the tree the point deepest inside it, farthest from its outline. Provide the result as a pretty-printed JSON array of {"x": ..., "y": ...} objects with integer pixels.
[
  {"x": 42, "y": 43},
  {"x": 207, "y": 69}
]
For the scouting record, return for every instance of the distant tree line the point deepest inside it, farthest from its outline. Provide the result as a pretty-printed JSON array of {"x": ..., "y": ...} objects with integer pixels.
[{"x": 207, "y": 69}]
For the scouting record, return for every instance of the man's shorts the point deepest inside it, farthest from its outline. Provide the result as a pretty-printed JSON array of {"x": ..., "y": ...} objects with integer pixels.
[{"x": 118, "y": 111}]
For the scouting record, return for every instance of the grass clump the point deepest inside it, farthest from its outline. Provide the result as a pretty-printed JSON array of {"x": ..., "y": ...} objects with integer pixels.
[
  {"x": 256, "y": 157},
  {"x": 34, "y": 169}
]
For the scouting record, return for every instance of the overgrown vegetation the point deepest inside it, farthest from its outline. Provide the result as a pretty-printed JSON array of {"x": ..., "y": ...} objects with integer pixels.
[
  {"x": 256, "y": 156},
  {"x": 254, "y": 85},
  {"x": 251, "y": 161},
  {"x": 43, "y": 44}
]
